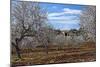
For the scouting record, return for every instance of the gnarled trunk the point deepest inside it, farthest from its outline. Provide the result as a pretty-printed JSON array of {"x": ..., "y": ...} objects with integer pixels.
[{"x": 17, "y": 50}]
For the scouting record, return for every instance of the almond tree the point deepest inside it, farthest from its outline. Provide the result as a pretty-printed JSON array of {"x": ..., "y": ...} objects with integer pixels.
[
  {"x": 88, "y": 23},
  {"x": 27, "y": 19}
]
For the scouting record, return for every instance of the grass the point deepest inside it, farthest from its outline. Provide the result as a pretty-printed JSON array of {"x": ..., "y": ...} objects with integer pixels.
[{"x": 84, "y": 53}]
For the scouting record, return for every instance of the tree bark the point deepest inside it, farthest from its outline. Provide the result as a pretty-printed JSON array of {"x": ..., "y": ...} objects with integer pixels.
[
  {"x": 46, "y": 49},
  {"x": 17, "y": 40},
  {"x": 17, "y": 50}
]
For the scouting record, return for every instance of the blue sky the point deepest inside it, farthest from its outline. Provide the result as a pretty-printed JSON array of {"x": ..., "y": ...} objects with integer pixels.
[{"x": 63, "y": 16}]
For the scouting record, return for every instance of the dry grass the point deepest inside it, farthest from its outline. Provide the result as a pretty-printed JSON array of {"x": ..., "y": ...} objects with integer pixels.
[{"x": 84, "y": 53}]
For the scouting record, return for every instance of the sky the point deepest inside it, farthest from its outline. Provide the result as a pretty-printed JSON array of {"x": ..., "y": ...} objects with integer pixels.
[{"x": 63, "y": 16}]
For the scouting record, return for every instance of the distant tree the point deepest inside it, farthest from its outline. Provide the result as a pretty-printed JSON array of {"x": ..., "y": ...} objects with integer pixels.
[
  {"x": 88, "y": 23},
  {"x": 27, "y": 20}
]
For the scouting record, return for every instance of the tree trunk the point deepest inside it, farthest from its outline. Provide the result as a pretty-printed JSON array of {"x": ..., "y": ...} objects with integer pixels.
[
  {"x": 17, "y": 50},
  {"x": 46, "y": 48}
]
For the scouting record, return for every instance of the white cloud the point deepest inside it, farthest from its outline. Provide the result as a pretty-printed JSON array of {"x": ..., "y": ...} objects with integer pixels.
[
  {"x": 71, "y": 11},
  {"x": 66, "y": 11},
  {"x": 74, "y": 24},
  {"x": 56, "y": 14},
  {"x": 65, "y": 22},
  {"x": 63, "y": 18}
]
